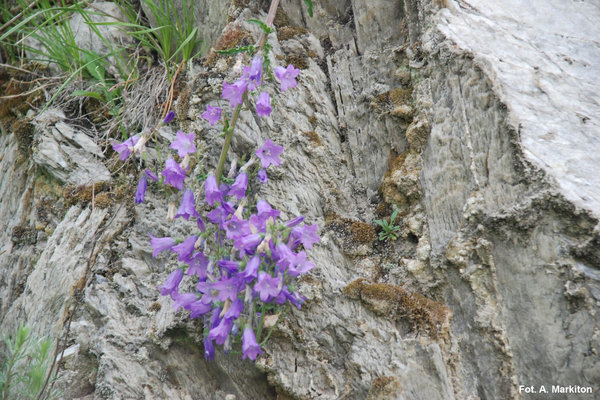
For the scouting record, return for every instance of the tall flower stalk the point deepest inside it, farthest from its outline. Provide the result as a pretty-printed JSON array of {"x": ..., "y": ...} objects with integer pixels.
[{"x": 243, "y": 260}]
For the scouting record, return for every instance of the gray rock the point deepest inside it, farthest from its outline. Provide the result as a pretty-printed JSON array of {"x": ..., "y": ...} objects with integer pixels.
[{"x": 66, "y": 152}]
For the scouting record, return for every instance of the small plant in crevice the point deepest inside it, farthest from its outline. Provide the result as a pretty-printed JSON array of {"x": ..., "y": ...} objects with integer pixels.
[
  {"x": 389, "y": 230},
  {"x": 25, "y": 363},
  {"x": 242, "y": 261}
]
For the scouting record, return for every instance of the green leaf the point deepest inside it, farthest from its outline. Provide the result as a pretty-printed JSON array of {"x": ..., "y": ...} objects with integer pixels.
[
  {"x": 309, "y": 4},
  {"x": 381, "y": 223},
  {"x": 236, "y": 50},
  {"x": 394, "y": 215},
  {"x": 88, "y": 93},
  {"x": 266, "y": 29}
]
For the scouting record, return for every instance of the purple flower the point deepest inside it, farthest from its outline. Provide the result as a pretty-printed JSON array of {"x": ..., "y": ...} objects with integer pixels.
[
  {"x": 294, "y": 221},
  {"x": 198, "y": 309},
  {"x": 151, "y": 175},
  {"x": 234, "y": 310},
  {"x": 265, "y": 210},
  {"x": 251, "y": 271},
  {"x": 255, "y": 72},
  {"x": 218, "y": 216},
  {"x": 198, "y": 265},
  {"x": 169, "y": 117},
  {"x": 238, "y": 189},
  {"x": 209, "y": 349},
  {"x": 184, "y": 144},
  {"x": 236, "y": 228},
  {"x": 140, "y": 193},
  {"x": 160, "y": 244},
  {"x": 262, "y": 176},
  {"x": 187, "y": 208},
  {"x": 183, "y": 300},
  {"x": 250, "y": 348},
  {"x": 284, "y": 256},
  {"x": 228, "y": 265},
  {"x": 172, "y": 283},
  {"x": 248, "y": 243},
  {"x": 174, "y": 174},
  {"x": 213, "y": 194},
  {"x": 263, "y": 104},
  {"x": 269, "y": 154},
  {"x": 212, "y": 114},
  {"x": 234, "y": 92},
  {"x": 185, "y": 248},
  {"x": 286, "y": 295},
  {"x": 125, "y": 148},
  {"x": 307, "y": 234},
  {"x": 220, "y": 332},
  {"x": 267, "y": 286},
  {"x": 228, "y": 288},
  {"x": 209, "y": 293},
  {"x": 300, "y": 265},
  {"x": 201, "y": 225},
  {"x": 287, "y": 76}
]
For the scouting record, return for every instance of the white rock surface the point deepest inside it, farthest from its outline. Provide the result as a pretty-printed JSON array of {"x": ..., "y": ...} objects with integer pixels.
[{"x": 542, "y": 57}]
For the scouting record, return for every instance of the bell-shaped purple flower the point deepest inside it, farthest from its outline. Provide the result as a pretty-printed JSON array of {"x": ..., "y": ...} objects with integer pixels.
[
  {"x": 151, "y": 175},
  {"x": 238, "y": 189},
  {"x": 198, "y": 309},
  {"x": 218, "y": 216},
  {"x": 212, "y": 114},
  {"x": 211, "y": 189},
  {"x": 255, "y": 72},
  {"x": 269, "y": 154},
  {"x": 183, "y": 300},
  {"x": 263, "y": 104},
  {"x": 287, "y": 76},
  {"x": 140, "y": 193},
  {"x": 294, "y": 221},
  {"x": 172, "y": 283},
  {"x": 201, "y": 225},
  {"x": 235, "y": 92},
  {"x": 250, "y": 273},
  {"x": 250, "y": 348},
  {"x": 236, "y": 228},
  {"x": 198, "y": 265},
  {"x": 235, "y": 309},
  {"x": 228, "y": 265},
  {"x": 307, "y": 234},
  {"x": 160, "y": 244},
  {"x": 209, "y": 349},
  {"x": 184, "y": 144},
  {"x": 169, "y": 117},
  {"x": 174, "y": 174},
  {"x": 267, "y": 287},
  {"x": 185, "y": 248},
  {"x": 228, "y": 288},
  {"x": 220, "y": 333},
  {"x": 187, "y": 207},
  {"x": 248, "y": 243},
  {"x": 262, "y": 176},
  {"x": 265, "y": 210},
  {"x": 125, "y": 148},
  {"x": 299, "y": 265}
]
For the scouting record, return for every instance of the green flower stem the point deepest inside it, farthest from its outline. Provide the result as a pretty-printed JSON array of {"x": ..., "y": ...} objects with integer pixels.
[
  {"x": 236, "y": 113},
  {"x": 228, "y": 137},
  {"x": 261, "y": 322}
]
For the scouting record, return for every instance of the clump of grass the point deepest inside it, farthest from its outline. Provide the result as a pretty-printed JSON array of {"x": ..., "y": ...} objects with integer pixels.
[{"x": 26, "y": 362}]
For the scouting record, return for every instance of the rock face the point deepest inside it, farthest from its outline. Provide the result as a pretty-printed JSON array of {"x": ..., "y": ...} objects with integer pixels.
[{"x": 476, "y": 122}]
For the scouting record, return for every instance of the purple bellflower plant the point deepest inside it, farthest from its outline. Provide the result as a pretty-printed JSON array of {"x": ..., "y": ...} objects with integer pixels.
[{"x": 243, "y": 262}]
